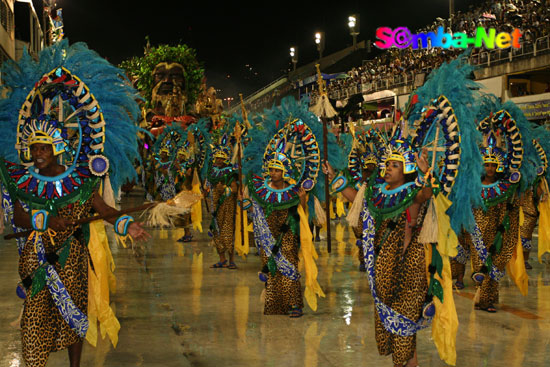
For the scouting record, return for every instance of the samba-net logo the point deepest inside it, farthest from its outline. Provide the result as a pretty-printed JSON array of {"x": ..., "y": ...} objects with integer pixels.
[{"x": 402, "y": 38}]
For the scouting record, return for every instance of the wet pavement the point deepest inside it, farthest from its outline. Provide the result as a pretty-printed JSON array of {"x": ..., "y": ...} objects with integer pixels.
[{"x": 176, "y": 311}]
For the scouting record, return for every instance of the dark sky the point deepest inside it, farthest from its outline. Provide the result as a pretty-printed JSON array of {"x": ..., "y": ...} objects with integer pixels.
[{"x": 228, "y": 37}]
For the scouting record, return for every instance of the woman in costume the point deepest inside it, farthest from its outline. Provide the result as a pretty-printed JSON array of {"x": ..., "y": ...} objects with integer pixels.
[
  {"x": 222, "y": 186},
  {"x": 61, "y": 140},
  {"x": 408, "y": 229}
]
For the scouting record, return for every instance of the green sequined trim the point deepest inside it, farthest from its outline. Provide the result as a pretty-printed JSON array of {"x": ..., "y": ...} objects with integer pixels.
[{"x": 82, "y": 193}]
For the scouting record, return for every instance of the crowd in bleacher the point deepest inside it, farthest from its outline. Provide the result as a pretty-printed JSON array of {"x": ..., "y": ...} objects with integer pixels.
[
  {"x": 395, "y": 67},
  {"x": 399, "y": 66}
]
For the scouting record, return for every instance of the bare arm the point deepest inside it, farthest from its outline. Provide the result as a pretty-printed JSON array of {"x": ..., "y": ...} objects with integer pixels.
[
  {"x": 23, "y": 219},
  {"x": 426, "y": 192},
  {"x": 303, "y": 197},
  {"x": 349, "y": 192},
  {"x": 135, "y": 229}
]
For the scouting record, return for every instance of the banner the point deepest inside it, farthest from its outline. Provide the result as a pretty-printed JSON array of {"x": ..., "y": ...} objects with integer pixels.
[{"x": 536, "y": 110}]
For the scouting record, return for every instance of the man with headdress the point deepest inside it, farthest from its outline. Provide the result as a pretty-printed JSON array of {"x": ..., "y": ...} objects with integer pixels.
[
  {"x": 495, "y": 237},
  {"x": 61, "y": 139},
  {"x": 222, "y": 184},
  {"x": 362, "y": 163}
]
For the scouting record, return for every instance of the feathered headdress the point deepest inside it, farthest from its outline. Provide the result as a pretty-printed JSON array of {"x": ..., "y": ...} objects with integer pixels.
[{"x": 73, "y": 92}]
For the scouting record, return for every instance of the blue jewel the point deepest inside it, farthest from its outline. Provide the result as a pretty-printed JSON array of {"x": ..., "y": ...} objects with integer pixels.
[
  {"x": 49, "y": 190},
  {"x": 41, "y": 188},
  {"x": 32, "y": 184},
  {"x": 68, "y": 184}
]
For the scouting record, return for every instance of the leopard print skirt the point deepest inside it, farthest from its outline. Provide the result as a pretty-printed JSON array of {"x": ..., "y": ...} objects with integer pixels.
[
  {"x": 530, "y": 215},
  {"x": 401, "y": 284},
  {"x": 43, "y": 330},
  {"x": 224, "y": 241},
  {"x": 488, "y": 223},
  {"x": 281, "y": 292}
]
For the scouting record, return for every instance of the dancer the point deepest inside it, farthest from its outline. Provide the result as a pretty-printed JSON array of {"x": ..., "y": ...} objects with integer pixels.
[
  {"x": 222, "y": 186},
  {"x": 65, "y": 153}
]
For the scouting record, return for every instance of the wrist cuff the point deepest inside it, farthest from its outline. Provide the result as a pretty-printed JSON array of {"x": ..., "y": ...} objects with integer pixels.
[
  {"x": 122, "y": 224},
  {"x": 39, "y": 220}
]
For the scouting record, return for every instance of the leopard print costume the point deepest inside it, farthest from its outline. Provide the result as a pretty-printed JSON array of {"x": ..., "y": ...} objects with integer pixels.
[
  {"x": 224, "y": 241},
  {"x": 401, "y": 284},
  {"x": 488, "y": 222},
  {"x": 43, "y": 329},
  {"x": 530, "y": 214},
  {"x": 281, "y": 292}
]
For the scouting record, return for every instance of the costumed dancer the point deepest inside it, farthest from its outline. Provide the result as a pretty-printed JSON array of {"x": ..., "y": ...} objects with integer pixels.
[
  {"x": 221, "y": 184},
  {"x": 279, "y": 205},
  {"x": 408, "y": 235},
  {"x": 190, "y": 159},
  {"x": 164, "y": 170},
  {"x": 362, "y": 163},
  {"x": 494, "y": 242},
  {"x": 64, "y": 103},
  {"x": 530, "y": 199}
]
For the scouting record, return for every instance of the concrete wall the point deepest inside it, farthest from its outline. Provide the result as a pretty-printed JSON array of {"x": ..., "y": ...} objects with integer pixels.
[{"x": 7, "y": 40}]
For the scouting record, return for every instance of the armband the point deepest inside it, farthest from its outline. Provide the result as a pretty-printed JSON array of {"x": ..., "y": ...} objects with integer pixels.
[
  {"x": 246, "y": 204},
  {"x": 39, "y": 220},
  {"x": 419, "y": 178},
  {"x": 339, "y": 183},
  {"x": 122, "y": 224}
]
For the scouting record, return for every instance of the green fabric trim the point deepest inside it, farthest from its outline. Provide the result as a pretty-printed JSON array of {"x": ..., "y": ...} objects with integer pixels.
[
  {"x": 436, "y": 289},
  {"x": 387, "y": 213},
  {"x": 272, "y": 265},
  {"x": 226, "y": 179},
  {"x": 83, "y": 193},
  {"x": 293, "y": 223},
  {"x": 38, "y": 281},
  {"x": 437, "y": 260},
  {"x": 268, "y": 207},
  {"x": 501, "y": 198},
  {"x": 65, "y": 251},
  {"x": 86, "y": 232}
]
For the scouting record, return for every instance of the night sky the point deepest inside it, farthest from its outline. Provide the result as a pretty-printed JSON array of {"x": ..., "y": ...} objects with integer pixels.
[{"x": 228, "y": 37}]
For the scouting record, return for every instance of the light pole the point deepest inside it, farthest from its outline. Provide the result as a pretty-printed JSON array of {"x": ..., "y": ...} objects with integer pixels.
[
  {"x": 229, "y": 100},
  {"x": 294, "y": 56},
  {"x": 353, "y": 24},
  {"x": 320, "y": 42}
]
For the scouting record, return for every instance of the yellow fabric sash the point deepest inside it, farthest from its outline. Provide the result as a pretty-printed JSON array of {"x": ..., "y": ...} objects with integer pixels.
[
  {"x": 516, "y": 265},
  {"x": 101, "y": 281},
  {"x": 544, "y": 224},
  {"x": 340, "y": 211},
  {"x": 241, "y": 247},
  {"x": 196, "y": 209},
  {"x": 309, "y": 255},
  {"x": 445, "y": 321}
]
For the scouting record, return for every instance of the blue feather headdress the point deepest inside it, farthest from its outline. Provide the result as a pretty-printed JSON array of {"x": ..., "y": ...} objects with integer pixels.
[
  {"x": 453, "y": 81},
  {"x": 269, "y": 123},
  {"x": 108, "y": 84}
]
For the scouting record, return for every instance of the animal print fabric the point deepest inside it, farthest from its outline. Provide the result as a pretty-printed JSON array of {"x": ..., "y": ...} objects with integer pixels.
[
  {"x": 281, "y": 292},
  {"x": 43, "y": 330}
]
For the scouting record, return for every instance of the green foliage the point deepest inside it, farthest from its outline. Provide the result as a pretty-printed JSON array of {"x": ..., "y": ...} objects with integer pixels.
[{"x": 141, "y": 68}]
